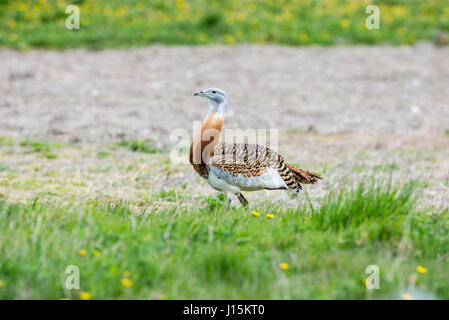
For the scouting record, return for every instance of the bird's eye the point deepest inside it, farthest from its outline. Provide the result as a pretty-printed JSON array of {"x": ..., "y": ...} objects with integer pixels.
[{"x": 214, "y": 91}]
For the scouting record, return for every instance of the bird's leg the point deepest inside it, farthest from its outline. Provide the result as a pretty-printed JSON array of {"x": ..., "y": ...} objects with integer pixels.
[
  {"x": 228, "y": 204},
  {"x": 242, "y": 200},
  {"x": 230, "y": 198}
]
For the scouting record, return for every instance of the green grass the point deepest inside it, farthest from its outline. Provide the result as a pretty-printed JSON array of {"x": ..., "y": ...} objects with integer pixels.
[
  {"x": 44, "y": 148},
  {"x": 103, "y": 154},
  {"x": 6, "y": 141},
  {"x": 140, "y": 146},
  {"x": 115, "y": 23},
  {"x": 205, "y": 253}
]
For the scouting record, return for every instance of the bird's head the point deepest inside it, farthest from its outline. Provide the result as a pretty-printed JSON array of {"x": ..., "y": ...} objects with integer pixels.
[{"x": 217, "y": 98}]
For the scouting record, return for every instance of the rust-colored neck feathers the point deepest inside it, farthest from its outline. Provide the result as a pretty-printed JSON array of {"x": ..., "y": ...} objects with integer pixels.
[{"x": 204, "y": 143}]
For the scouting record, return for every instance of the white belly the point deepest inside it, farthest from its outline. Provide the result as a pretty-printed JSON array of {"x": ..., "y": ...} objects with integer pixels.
[
  {"x": 221, "y": 185},
  {"x": 224, "y": 181}
]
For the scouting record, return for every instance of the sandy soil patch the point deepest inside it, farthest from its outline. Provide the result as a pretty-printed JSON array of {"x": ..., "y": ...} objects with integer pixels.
[{"x": 347, "y": 112}]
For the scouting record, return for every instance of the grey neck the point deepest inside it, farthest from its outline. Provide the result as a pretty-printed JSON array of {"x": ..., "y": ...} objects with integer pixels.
[{"x": 218, "y": 108}]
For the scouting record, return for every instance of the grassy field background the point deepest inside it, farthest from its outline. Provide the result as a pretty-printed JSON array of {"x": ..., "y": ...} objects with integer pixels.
[
  {"x": 114, "y": 23},
  {"x": 317, "y": 251}
]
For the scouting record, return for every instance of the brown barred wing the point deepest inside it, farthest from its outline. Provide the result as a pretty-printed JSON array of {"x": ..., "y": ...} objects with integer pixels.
[
  {"x": 249, "y": 166},
  {"x": 253, "y": 167},
  {"x": 242, "y": 158}
]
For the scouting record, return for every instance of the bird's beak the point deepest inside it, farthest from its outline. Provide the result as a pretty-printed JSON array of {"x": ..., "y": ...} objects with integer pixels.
[{"x": 199, "y": 93}]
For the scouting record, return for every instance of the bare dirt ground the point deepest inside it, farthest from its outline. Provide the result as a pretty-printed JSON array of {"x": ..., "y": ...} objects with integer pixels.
[{"x": 346, "y": 112}]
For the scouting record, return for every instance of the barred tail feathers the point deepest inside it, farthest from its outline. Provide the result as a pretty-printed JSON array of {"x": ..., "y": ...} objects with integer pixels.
[{"x": 304, "y": 176}]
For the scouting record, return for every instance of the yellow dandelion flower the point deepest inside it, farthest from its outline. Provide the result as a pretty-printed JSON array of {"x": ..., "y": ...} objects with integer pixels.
[
  {"x": 181, "y": 4},
  {"x": 283, "y": 266},
  {"x": 36, "y": 183},
  {"x": 1, "y": 283},
  {"x": 126, "y": 282},
  {"x": 97, "y": 253},
  {"x": 269, "y": 216},
  {"x": 82, "y": 252},
  {"x": 145, "y": 34},
  {"x": 344, "y": 23},
  {"x": 12, "y": 24},
  {"x": 85, "y": 295},
  {"x": 255, "y": 213},
  {"x": 421, "y": 269},
  {"x": 202, "y": 37},
  {"x": 126, "y": 274},
  {"x": 201, "y": 181},
  {"x": 406, "y": 296},
  {"x": 21, "y": 6},
  {"x": 229, "y": 39},
  {"x": 131, "y": 179},
  {"x": 401, "y": 31}
]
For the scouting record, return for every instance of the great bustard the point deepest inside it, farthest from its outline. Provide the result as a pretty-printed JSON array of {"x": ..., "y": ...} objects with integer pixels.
[{"x": 237, "y": 167}]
